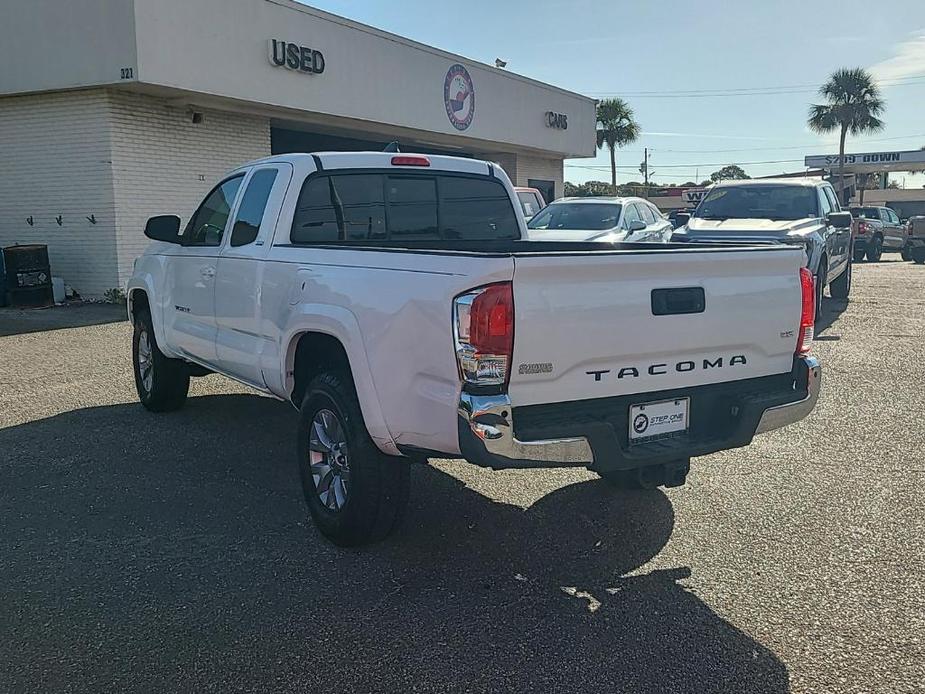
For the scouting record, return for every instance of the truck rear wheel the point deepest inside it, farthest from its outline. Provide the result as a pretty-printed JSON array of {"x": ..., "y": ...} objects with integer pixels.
[
  {"x": 162, "y": 383},
  {"x": 355, "y": 493},
  {"x": 918, "y": 255}
]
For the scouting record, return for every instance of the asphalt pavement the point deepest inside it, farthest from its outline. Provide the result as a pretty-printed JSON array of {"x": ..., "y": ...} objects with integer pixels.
[{"x": 163, "y": 553}]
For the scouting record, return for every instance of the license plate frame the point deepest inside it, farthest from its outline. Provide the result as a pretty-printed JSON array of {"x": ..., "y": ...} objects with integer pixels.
[{"x": 659, "y": 419}]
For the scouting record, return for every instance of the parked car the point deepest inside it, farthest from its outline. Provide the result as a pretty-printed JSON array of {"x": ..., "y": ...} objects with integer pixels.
[
  {"x": 803, "y": 212},
  {"x": 878, "y": 230},
  {"x": 393, "y": 299},
  {"x": 531, "y": 201},
  {"x": 600, "y": 219},
  {"x": 916, "y": 244},
  {"x": 679, "y": 217}
]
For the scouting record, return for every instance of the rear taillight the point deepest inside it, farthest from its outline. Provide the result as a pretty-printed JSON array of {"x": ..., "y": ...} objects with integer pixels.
[
  {"x": 808, "y": 312},
  {"x": 484, "y": 326}
]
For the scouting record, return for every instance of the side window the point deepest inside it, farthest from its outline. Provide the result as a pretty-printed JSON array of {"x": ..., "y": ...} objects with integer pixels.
[
  {"x": 825, "y": 205},
  {"x": 630, "y": 215},
  {"x": 476, "y": 209},
  {"x": 207, "y": 225},
  {"x": 830, "y": 196},
  {"x": 253, "y": 205},
  {"x": 893, "y": 218},
  {"x": 646, "y": 214},
  {"x": 339, "y": 208},
  {"x": 412, "y": 208},
  {"x": 657, "y": 213}
]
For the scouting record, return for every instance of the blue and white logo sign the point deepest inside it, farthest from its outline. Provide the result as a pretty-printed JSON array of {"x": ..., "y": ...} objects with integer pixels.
[{"x": 459, "y": 97}]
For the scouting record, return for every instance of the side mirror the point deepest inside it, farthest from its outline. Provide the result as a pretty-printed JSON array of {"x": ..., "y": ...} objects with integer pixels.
[
  {"x": 681, "y": 219},
  {"x": 165, "y": 227},
  {"x": 637, "y": 225},
  {"x": 840, "y": 220}
]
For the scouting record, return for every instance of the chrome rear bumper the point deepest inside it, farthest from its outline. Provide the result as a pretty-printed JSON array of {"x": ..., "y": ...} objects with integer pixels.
[
  {"x": 486, "y": 430},
  {"x": 782, "y": 415}
]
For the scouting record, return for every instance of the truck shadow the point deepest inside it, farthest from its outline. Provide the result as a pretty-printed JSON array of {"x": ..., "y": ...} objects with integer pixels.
[
  {"x": 19, "y": 321},
  {"x": 174, "y": 553},
  {"x": 832, "y": 309}
]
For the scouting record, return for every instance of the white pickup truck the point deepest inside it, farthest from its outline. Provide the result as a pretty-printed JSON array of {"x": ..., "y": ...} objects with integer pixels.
[{"x": 393, "y": 299}]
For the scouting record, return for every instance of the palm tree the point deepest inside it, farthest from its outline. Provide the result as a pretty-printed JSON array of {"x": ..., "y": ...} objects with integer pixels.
[
  {"x": 617, "y": 128},
  {"x": 852, "y": 105}
]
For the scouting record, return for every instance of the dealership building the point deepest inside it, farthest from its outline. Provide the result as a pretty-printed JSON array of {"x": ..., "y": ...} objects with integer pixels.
[{"x": 112, "y": 111}]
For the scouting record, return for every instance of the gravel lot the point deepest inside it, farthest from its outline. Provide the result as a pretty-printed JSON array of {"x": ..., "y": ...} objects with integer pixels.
[{"x": 164, "y": 553}]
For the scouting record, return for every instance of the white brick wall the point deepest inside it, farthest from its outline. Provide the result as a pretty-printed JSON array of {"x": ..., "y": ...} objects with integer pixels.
[
  {"x": 119, "y": 156},
  {"x": 539, "y": 167},
  {"x": 163, "y": 163},
  {"x": 55, "y": 160}
]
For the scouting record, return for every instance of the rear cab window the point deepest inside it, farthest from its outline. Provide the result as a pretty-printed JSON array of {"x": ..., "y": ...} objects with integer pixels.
[{"x": 360, "y": 206}]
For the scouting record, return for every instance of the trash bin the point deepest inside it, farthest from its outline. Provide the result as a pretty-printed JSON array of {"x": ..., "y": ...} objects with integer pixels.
[{"x": 28, "y": 275}]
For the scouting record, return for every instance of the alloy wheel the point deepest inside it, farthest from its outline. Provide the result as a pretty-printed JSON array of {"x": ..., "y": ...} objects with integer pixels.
[
  {"x": 145, "y": 360},
  {"x": 328, "y": 460}
]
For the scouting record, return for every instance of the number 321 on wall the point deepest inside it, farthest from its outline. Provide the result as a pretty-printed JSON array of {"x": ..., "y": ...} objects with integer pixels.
[{"x": 127, "y": 73}]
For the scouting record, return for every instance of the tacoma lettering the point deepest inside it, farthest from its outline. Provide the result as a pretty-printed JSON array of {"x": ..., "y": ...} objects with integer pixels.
[{"x": 680, "y": 367}]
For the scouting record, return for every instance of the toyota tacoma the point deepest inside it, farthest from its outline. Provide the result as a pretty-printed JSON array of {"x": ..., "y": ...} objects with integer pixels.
[{"x": 395, "y": 300}]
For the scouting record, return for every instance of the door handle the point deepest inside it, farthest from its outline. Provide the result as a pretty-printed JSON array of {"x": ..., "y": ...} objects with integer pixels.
[{"x": 207, "y": 271}]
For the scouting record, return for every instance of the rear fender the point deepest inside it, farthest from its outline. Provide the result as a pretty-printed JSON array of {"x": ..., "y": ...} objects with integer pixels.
[{"x": 341, "y": 324}]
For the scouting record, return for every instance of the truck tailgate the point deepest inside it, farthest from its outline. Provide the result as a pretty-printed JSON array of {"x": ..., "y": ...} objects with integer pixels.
[{"x": 586, "y": 326}]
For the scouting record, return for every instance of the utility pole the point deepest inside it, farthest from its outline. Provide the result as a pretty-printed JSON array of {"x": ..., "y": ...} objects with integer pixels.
[{"x": 645, "y": 165}]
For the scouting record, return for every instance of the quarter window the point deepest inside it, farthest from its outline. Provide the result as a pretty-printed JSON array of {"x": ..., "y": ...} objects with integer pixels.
[
  {"x": 646, "y": 214},
  {"x": 207, "y": 225},
  {"x": 253, "y": 205}
]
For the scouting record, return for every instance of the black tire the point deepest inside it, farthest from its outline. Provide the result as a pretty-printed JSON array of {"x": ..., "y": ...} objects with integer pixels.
[
  {"x": 841, "y": 286},
  {"x": 375, "y": 495},
  {"x": 163, "y": 385},
  {"x": 906, "y": 253},
  {"x": 859, "y": 255},
  {"x": 918, "y": 255},
  {"x": 820, "y": 286},
  {"x": 874, "y": 249}
]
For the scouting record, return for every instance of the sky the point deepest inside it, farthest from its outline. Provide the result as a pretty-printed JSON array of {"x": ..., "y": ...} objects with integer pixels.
[{"x": 711, "y": 83}]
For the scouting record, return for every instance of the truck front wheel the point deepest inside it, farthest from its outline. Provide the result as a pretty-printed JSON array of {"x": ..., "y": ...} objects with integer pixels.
[
  {"x": 874, "y": 249},
  {"x": 355, "y": 493},
  {"x": 162, "y": 383}
]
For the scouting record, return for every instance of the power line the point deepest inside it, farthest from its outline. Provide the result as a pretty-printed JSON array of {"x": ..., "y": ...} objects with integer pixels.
[
  {"x": 744, "y": 91},
  {"x": 606, "y": 167},
  {"x": 770, "y": 148}
]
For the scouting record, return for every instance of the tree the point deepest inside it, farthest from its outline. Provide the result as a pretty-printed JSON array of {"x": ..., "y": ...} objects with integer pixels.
[
  {"x": 852, "y": 105},
  {"x": 729, "y": 172},
  {"x": 616, "y": 128}
]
